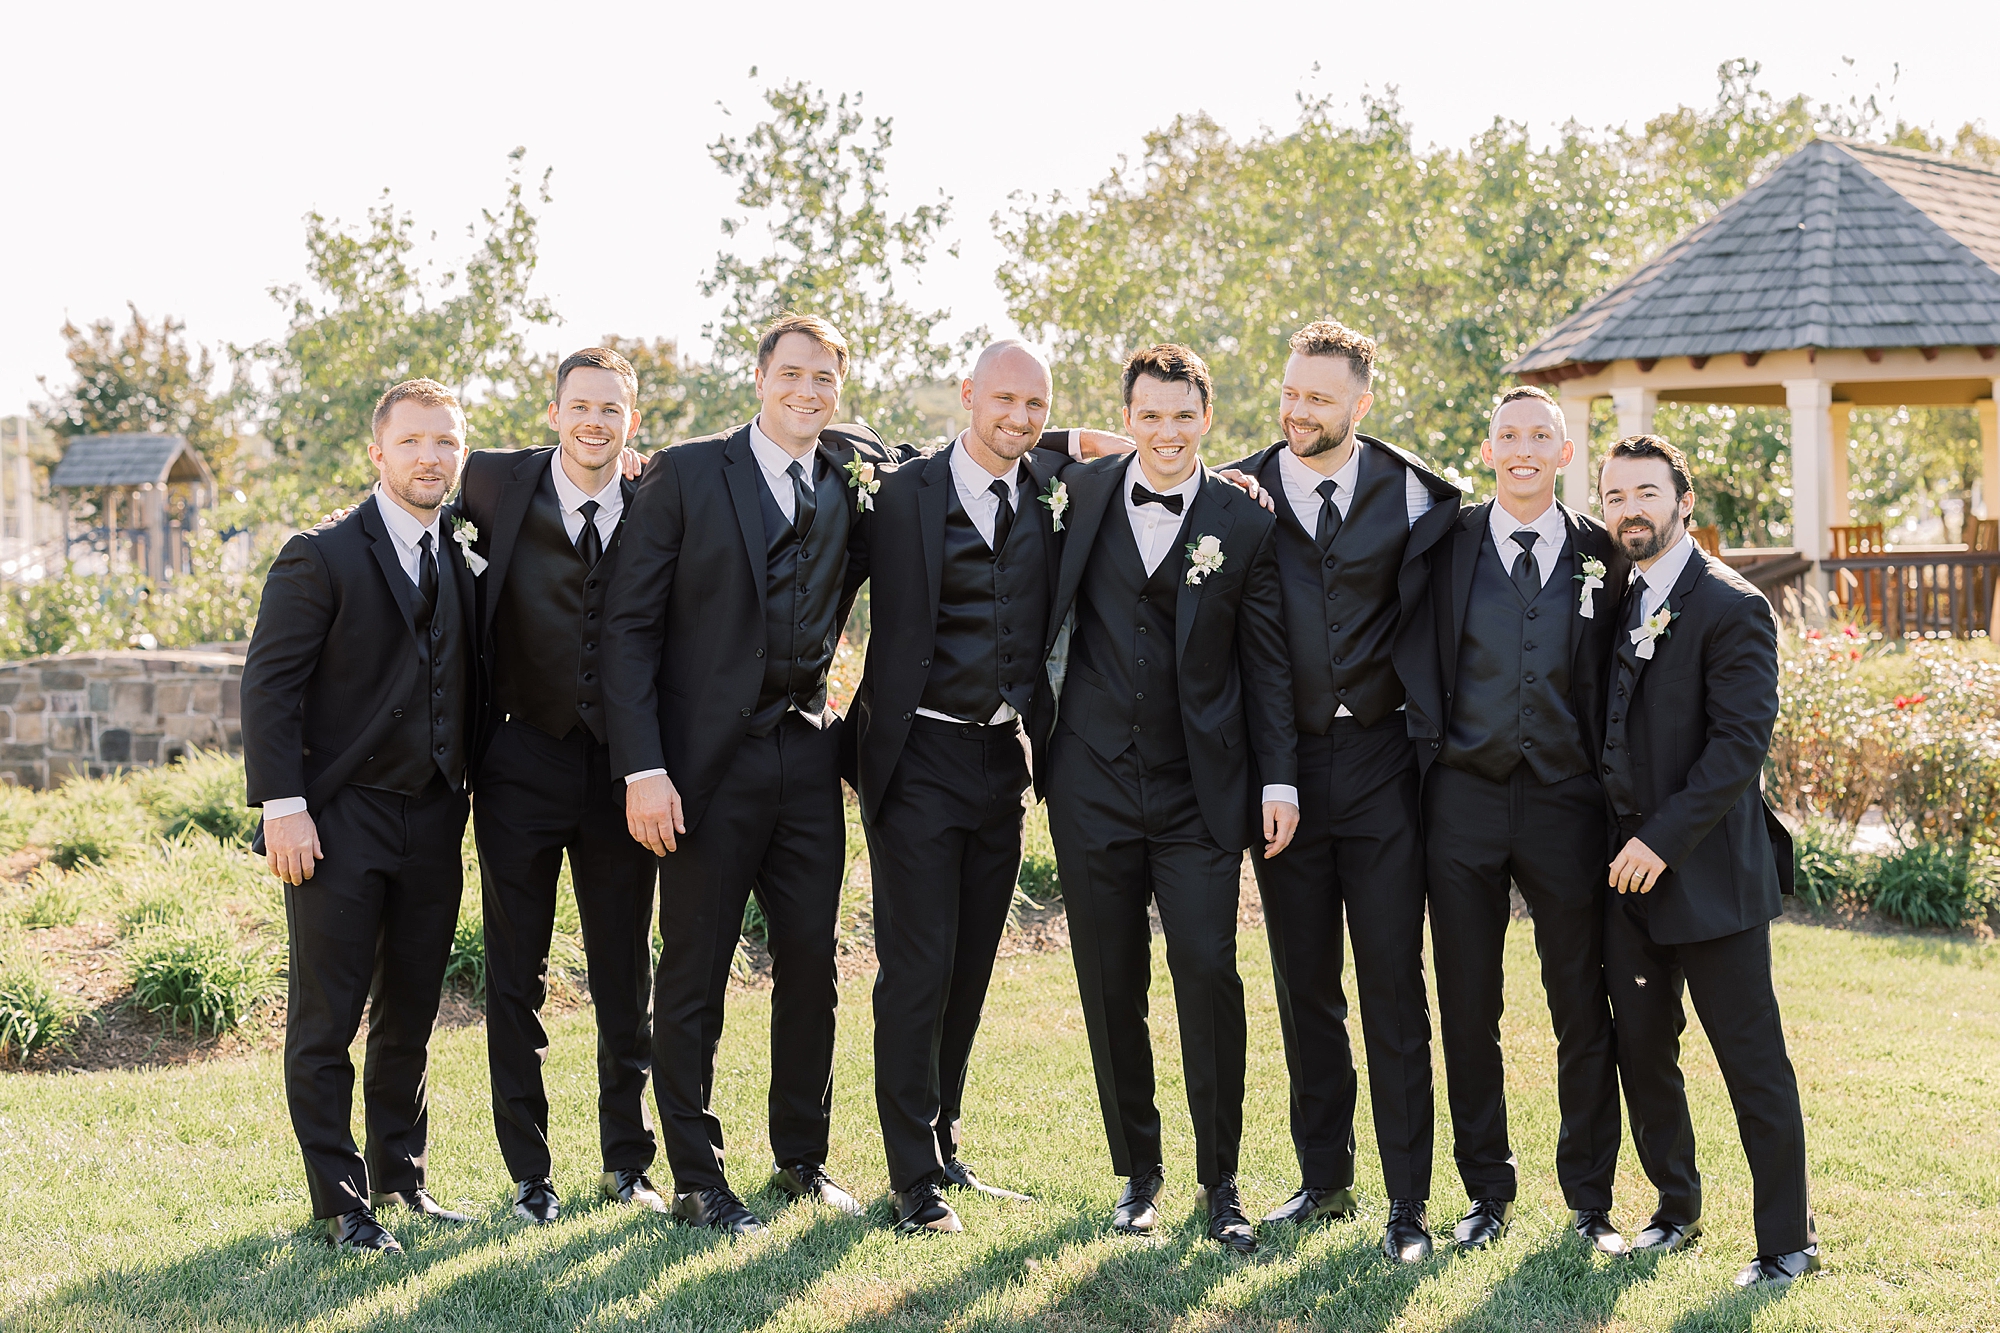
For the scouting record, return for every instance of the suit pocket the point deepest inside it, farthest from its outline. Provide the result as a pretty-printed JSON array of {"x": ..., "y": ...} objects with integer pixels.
[{"x": 1232, "y": 730}]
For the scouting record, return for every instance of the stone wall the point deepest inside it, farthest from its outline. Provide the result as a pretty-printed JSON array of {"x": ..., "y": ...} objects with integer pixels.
[{"x": 93, "y": 713}]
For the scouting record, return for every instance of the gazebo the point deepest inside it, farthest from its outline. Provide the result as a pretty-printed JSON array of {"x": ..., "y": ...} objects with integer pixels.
[
  {"x": 150, "y": 489},
  {"x": 1854, "y": 275}
]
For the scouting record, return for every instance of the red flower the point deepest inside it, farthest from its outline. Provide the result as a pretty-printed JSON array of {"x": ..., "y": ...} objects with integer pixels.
[
  {"x": 1814, "y": 634},
  {"x": 1850, "y": 631},
  {"x": 1854, "y": 655},
  {"x": 1902, "y": 702}
]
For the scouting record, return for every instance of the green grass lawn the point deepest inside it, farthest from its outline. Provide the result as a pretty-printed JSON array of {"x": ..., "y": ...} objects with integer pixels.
[{"x": 174, "y": 1198}]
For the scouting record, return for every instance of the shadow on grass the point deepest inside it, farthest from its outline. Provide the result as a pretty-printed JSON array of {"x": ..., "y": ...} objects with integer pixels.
[
  {"x": 1727, "y": 1313},
  {"x": 1559, "y": 1283}
]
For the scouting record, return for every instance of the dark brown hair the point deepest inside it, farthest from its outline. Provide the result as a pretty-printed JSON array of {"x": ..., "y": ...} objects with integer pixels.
[
  {"x": 1653, "y": 446},
  {"x": 602, "y": 358},
  {"x": 425, "y": 391},
  {"x": 1534, "y": 391},
  {"x": 1325, "y": 337},
  {"x": 1172, "y": 363},
  {"x": 813, "y": 327}
]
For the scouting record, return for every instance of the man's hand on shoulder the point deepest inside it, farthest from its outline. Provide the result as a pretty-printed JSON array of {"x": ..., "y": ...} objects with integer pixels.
[
  {"x": 291, "y": 845},
  {"x": 1101, "y": 444},
  {"x": 631, "y": 463},
  {"x": 1246, "y": 483}
]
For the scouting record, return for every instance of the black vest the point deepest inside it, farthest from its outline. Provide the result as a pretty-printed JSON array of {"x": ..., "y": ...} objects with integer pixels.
[
  {"x": 991, "y": 613},
  {"x": 801, "y": 600},
  {"x": 1512, "y": 701},
  {"x": 428, "y": 737},
  {"x": 1619, "y": 784},
  {"x": 1342, "y": 606},
  {"x": 546, "y": 659},
  {"x": 1125, "y": 638}
]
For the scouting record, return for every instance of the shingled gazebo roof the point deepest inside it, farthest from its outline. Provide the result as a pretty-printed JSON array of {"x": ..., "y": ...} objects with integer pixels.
[
  {"x": 129, "y": 460},
  {"x": 1844, "y": 245}
]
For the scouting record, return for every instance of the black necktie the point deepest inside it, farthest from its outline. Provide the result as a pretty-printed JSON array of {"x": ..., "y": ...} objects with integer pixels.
[
  {"x": 1003, "y": 517},
  {"x": 805, "y": 503},
  {"x": 1329, "y": 513},
  {"x": 427, "y": 577},
  {"x": 1634, "y": 614},
  {"x": 1142, "y": 496},
  {"x": 1527, "y": 575},
  {"x": 589, "y": 542}
]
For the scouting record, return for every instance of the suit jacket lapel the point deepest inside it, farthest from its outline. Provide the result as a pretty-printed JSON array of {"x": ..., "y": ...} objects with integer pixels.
[
  {"x": 1209, "y": 517},
  {"x": 1471, "y": 531},
  {"x": 742, "y": 475},
  {"x": 508, "y": 516},
  {"x": 1270, "y": 475},
  {"x": 1092, "y": 494},
  {"x": 1044, "y": 520},
  {"x": 933, "y": 498},
  {"x": 386, "y": 555}
]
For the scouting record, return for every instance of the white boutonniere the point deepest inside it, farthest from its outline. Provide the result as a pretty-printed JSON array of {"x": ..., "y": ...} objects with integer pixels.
[
  {"x": 1653, "y": 627},
  {"x": 861, "y": 476},
  {"x": 1592, "y": 579},
  {"x": 1056, "y": 497},
  {"x": 1204, "y": 558},
  {"x": 465, "y": 534}
]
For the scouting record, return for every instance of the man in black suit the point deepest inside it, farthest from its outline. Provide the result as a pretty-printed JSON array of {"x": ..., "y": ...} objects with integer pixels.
[
  {"x": 1523, "y": 608},
  {"x": 734, "y": 582},
  {"x": 1357, "y": 520},
  {"x": 1172, "y": 748},
  {"x": 357, "y": 696},
  {"x": 548, "y": 523},
  {"x": 1702, "y": 862}
]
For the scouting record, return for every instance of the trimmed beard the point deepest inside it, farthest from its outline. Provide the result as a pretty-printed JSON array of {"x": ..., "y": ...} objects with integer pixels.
[
  {"x": 1659, "y": 542},
  {"x": 1328, "y": 442},
  {"x": 404, "y": 492}
]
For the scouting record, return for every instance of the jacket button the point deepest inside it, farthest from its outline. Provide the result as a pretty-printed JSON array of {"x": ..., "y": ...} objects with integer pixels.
[
  {"x": 1336, "y": 661},
  {"x": 1140, "y": 695},
  {"x": 1142, "y": 629},
  {"x": 1135, "y": 726},
  {"x": 437, "y": 631},
  {"x": 591, "y": 584},
  {"x": 1329, "y": 562},
  {"x": 590, "y": 615},
  {"x": 1532, "y": 613},
  {"x": 906, "y": 717},
  {"x": 926, "y": 662},
  {"x": 1142, "y": 662},
  {"x": 1333, "y": 629},
  {"x": 589, "y": 647},
  {"x": 1330, "y": 596},
  {"x": 589, "y": 676},
  {"x": 746, "y": 712},
  {"x": 760, "y": 652},
  {"x": 1615, "y": 719},
  {"x": 583, "y": 703},
  {"x": 1528, "y": 679},
  {"x": 1434, "y": 745},
  {"x": 1527, "y": 743},
  {"x": 394, "y": 712},
  {"x": 1144, "y": 598}
]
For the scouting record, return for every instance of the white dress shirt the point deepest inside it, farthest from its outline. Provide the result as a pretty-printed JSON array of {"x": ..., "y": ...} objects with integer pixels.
[
  {"x": 1302, "y": 488},
  {"x": 1664, "y": 574},
  {"x": 975, "y": 495},
  {"x": 1154, "y": 528},
  {"x": 775, "y": 464},
  {"x": 1549, "y": 531},
  {"x": 406, "y": 532},
  {"x": 610, "y": 502}
]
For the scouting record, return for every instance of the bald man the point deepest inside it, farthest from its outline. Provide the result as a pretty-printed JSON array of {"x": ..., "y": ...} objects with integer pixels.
[{"x": 962, "y": 561}]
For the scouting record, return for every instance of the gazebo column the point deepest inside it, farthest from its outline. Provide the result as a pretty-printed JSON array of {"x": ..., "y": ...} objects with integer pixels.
[
  {"x": 1577, "y": 478},
  {"x": 1989, "y": 452},
  {"x": 1811, "y": 403},
  {"x": 1635, "y": 410},
  {"x": 1839, "y": 420}
]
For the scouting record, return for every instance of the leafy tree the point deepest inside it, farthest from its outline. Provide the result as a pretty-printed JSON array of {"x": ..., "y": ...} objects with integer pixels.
[
  {"x": 143, "y": 378},
  {"x": 815, "y": 172}
]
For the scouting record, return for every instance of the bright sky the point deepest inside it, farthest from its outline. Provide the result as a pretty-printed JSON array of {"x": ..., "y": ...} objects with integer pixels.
[{"x": 166, "y": 153}]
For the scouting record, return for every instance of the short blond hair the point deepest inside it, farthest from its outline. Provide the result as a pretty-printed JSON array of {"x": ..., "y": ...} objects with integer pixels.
[
  {"x": 1326, "y": 337},
  {"x": 813, "y": 327},
  {"x": 425, "y": 392}
]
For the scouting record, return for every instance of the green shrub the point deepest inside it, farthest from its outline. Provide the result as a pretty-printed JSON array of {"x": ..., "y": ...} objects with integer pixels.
[
  {"x": 466, "y": 967},
  {"x": 196, "y": 972},
  {"x": 1829, "y": 873},
  {"x": 1038, "y": 878},
  {"x": 19, "y": 809},
  {"x": 90, "y": 821},
  {"x": 756, "y": 926},
  {"x": 34, "y": 1015},
  {"x": 53, "y": 900},
  {"x": 204, "y": 791},
  {"x": 155, "y": 909},
  {"x": 192, "y": 872},
  {"x": 1932, "y": 884}
]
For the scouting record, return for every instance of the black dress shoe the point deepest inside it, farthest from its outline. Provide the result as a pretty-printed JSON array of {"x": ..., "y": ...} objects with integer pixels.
[
  {"x": 536, "y": 1201},
  {"x": 716, "y": 1207},
  {"x": 358, "y": 1230},
  {"x": 1595, "y": 1225},
  {"x": 1660, "y": 1236},
  {"x": 1137, "y": 1211},
  {"x": 1484, "y": 1223},
  {"x": 1407, "y": 1237},
  {"x": 1310, "y": 1205},
  {"x": 809, "y": 1180},
  {"x": 922, "y": 1208},
  {"x": 958, "y": 1176},
  {"x": 420, "y": 1202},
  {"x": 1227, "y": 1226},
  {"x": 626, "y": 1185},
  {"x": 1776, "y": 1271}
]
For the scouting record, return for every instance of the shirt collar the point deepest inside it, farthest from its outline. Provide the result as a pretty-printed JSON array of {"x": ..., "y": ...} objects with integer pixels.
[
  {"x": 971, "y": 478},
  {"x": 1135, "y": 475},
  {"x": 1548, "y": 525},
  {"x": 405, "y": 527},
  {"x": 571, "y": 496},
  {"x": 1301, "y": 477},
  {"x": 1349, "y": 475},
  {"x": 775, "y": 461},
  {"x": 1667, "y": 570}
]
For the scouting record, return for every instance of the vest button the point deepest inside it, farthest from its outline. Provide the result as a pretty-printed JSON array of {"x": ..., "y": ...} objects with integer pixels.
[
  {"x": 760, "y": 652},
  {"x": 1144, "y": 598},
  {"x": 1006, "y": 629},
  {"x": 1329, "y": 562},
  {"x": 399, "y": 712},
  {"x": 1333, "y": 629},
  {"x": 589, "y": 647},
  {"x": 926, "y": 662},
  {"x": 437, "y": 631},
  {"x": 590, "y": 615},
  {"x": 1336, "y": 661},
  {"x": 1142, "y": 629},
  {"x": 805, "y": 555},
  {"x": 1528, "y": 647},
  {"x": 1142, "y": 661},
  {"x": 746, "y": 712},
  {"x": 438, "y": 693},
  {"x": 906, "y": 717},
  {"x": 589, "y": 676},
  {"x": 1135, "y": 726},
  {"x": 591, "y": 584},
  {"x": 1528, "y": 712},
  {"x": 583, "y": 703},
  {"x": 1003, "y": 601},
  {"x": 1527, "y": 743},
  {"x": 1607, "y": 768},
  {"x": 1331, "y": 596},
  {"x": 1530, "y": 680},
  {"x": 1615, "y": 719},
  {"x": 1140, "y": 695},
  {"x": 1005, "y": 659},
  {"x": 1533, "y": 612},
  {"x": 441, "y": 749}
]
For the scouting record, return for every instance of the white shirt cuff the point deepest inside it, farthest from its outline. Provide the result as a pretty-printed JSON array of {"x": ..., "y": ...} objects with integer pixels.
[
  {"x": 1278, "y": 791},
  {"x": 284, "y": 805},
  {"x": 631, "y": 778},
  {"x": 1075, "y": 443}
]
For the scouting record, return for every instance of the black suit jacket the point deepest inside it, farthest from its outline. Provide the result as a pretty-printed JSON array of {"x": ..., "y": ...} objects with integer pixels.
[
  {"x": 1699, "y": 729},
  {"x": 334, "y": 655},
  {"x": 684, "y": 647},
  {"x": 905, "y": 535},
  {"x": 1412, "y": 650},
  {"x": 1431, "y": 687},
  {"x": 493, "y": 496},
  {"x": 1232, "y": 672}
]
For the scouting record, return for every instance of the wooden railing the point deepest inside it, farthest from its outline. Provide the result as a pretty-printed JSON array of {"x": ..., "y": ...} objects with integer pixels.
[{"x": 1918, "y": 592}]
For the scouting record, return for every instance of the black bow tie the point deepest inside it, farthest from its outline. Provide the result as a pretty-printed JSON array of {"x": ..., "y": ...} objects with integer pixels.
[{"x": 1142, "y": 496}]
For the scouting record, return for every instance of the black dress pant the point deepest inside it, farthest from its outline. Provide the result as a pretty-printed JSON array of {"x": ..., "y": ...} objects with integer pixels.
[
  {"x": 1123, "y": 834},
  {"x": 774, "y": 828},
  {"x": 1549, "y": 840},
  {"x": 539, "y": 797},
  {"x": 945, "y": 847},
  {"x": 372, "y": 928},
  {"x": 1358, "y": 853},
  {"x": 1730, "y": 980}
]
